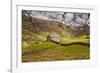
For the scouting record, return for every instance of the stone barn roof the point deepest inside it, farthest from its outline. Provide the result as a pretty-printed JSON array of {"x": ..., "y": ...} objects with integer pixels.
[{"x": 54, "y": 36}]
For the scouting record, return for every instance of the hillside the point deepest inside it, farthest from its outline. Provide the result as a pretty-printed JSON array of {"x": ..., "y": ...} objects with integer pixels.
[
  {"x": 36, "y": 47},
  {"x": 42, "y": 29},
  {"x": 42, "y": 25},
  {"x": 51, "y": 40}
]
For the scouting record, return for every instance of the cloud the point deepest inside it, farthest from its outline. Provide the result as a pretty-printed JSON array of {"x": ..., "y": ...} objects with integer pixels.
[{"x": 58, "y": 16}]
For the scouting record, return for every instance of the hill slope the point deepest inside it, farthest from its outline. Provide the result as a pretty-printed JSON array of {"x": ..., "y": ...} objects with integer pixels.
[
  {"x": 42, "y": 25},
  {"x": 42, "y": 28}
]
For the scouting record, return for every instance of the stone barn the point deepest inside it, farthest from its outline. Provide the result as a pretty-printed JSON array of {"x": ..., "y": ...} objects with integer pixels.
[{"x": 56, "y": 38}]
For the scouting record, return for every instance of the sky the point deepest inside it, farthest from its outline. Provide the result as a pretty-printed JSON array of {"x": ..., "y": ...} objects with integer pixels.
[{"x": 68, "y": 17}]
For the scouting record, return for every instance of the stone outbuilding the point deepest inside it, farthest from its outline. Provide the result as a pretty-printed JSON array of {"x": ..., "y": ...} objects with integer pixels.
[{"x": 55, "y": 38}]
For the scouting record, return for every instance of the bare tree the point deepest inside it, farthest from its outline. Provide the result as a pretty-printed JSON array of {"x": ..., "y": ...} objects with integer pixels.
[
  {"x": 30, "y": 17},
  {"x": 63, "y": 16},
  {"x": 86, "y": 24},
  {"x": 71, "y": 18},
  {"x": 80, "y": 26}
]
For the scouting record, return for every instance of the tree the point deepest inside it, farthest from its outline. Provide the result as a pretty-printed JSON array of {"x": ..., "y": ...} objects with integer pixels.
[
  {"x": 25, "y": 12},
  {"x": 79, "y": 20},
  {"x": 83, "y": 23}
]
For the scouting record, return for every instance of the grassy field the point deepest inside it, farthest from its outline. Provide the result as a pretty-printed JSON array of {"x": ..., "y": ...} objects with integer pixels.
[
  {"x": 35, "y": 46},
  {"x": 48, "y": 51},
  {"x": 39, "y": 46},
  {"x": 74, "y": 39}
]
